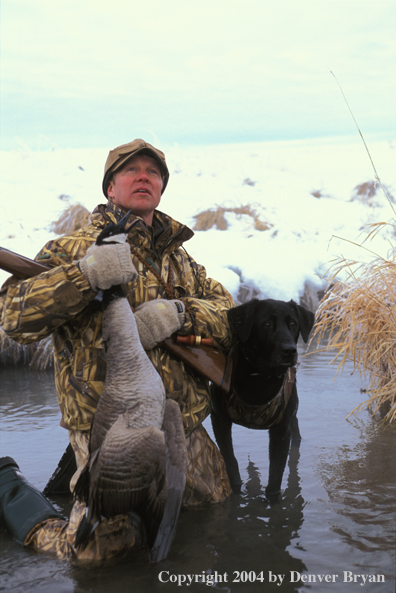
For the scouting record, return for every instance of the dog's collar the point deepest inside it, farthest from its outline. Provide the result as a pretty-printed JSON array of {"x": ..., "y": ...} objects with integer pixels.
[{"x": 261, "y": 415}]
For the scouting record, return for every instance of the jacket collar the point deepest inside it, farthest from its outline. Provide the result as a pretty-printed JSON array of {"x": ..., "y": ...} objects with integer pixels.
[{"x": 166, "y": 234}]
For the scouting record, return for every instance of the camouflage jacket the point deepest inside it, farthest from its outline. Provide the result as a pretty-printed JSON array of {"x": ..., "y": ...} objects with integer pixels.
[{"x": 60, "y": 302}]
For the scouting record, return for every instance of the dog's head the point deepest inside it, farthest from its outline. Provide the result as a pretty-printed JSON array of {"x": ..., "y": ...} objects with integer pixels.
[{"x": 268, "y": 331}]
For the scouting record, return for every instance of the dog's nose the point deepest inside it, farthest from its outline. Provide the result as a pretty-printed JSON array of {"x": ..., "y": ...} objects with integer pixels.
[{"x": 289, "y": 351}]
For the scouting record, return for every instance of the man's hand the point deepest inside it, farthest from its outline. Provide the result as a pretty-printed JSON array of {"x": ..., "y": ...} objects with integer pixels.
[
  {"x": 105, "y": 266},
  {"x": 157, "y": 320}
]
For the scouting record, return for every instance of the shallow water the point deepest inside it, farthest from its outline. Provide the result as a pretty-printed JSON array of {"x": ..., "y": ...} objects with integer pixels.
[{"x": 335, "y": 520}]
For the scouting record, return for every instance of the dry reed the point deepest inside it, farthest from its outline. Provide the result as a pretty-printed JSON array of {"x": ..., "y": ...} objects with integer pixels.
[
  {"x": 38, "y": 355},
  {"x": 367, "y": 192},
  {"x": 72, "y": 219},
  {"x": 358, "y": 312},
  {"x": 358, "y": 318},
  {"x": 214, "y": 217}
]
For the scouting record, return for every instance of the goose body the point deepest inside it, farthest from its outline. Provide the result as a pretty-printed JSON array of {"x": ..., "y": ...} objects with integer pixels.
[
  {"x": 133, "y": 387},
  {"x": 137, "y": 452}
]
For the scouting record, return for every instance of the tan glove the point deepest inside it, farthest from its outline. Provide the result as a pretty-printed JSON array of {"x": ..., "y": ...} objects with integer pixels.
[
  {"x": 108, "y": 265},
  {"x": 157, "y": 320}
]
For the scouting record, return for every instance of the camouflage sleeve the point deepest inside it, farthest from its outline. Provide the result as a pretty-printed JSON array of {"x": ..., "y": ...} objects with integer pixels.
[
  {"x": 31, "y": 309},
  {"x": 209, "y": 310}
]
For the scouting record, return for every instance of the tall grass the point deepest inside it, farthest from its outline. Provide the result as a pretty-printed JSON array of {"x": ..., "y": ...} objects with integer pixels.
[
  {"x": 357, "y": 316},
  {"x": 357, "y": 313}
]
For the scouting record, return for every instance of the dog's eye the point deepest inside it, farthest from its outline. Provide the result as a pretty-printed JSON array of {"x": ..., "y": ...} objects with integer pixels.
[
  {"x": 293, "y": 323},
  {"x": 267, "y": 324}
]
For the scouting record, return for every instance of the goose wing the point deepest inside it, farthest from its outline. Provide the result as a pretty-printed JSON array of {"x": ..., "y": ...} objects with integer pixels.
[
  {"x": 129, "y": 474},
  {"x": 176, "y": 471},
  {"x": 110, "y": 408}
]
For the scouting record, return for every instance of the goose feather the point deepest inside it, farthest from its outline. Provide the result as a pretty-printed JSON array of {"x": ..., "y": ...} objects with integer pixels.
[{"x": 137, "y": 452}]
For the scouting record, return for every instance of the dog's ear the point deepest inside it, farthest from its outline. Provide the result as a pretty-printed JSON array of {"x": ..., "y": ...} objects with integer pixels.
[
  {"x": 306, "y": 319},
  {"x": 241, "y": 319}
]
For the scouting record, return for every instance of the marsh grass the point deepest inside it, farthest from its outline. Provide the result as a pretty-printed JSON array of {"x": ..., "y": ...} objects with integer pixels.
[
  {"x": 367, "y": 193},
  {"x": 38, "y": 355},
  {"x": 72, "y": 219},
  {"x": 214, "y": 217},
  {"x": 357, "y": 316}
]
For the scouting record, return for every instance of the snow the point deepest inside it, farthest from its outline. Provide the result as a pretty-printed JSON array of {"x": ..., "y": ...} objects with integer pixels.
[{"x": 276, "y": 178}]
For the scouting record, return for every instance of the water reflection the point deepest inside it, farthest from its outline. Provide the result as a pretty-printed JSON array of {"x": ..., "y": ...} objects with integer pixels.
[
  {"x": 26, "y": 398},
  {"x": 336, "y": 512},
  {"x": 29, "y": 422},
  {"x": 270, "y": 533},
  {"x": 360, "y": 481},
  {"x": 243, "y": 535}
]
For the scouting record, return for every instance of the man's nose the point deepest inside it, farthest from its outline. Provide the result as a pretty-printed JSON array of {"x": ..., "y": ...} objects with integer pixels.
[{"x": 142, "y": 174}]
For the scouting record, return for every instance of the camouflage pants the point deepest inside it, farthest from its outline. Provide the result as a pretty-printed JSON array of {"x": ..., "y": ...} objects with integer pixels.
[{"x": 207, "y": 482}]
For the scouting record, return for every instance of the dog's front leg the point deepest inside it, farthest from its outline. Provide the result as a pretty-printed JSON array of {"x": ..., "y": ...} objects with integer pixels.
[
  {"x": 279, "y": 445},
  {"x": 222, "y": 428}
]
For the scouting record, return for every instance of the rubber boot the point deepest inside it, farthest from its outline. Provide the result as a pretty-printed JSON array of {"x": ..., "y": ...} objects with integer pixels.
[{"x": 21, "y": 505}]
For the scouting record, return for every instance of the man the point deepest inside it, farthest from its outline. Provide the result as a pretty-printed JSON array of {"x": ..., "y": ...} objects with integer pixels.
[{"x": 61, "y": 302}]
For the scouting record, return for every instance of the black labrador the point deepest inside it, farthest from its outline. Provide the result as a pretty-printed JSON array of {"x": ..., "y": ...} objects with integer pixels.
[{"x": 263, "y": 391}]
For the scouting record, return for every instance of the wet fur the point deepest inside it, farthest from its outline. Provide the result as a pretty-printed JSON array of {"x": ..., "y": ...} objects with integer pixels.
[{"x": 267, "y": 333}]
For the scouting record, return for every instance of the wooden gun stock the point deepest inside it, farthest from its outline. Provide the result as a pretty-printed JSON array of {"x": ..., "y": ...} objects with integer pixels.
[
  {"x": 212, "y": 364},
  {"x": 20, "y": 266}
]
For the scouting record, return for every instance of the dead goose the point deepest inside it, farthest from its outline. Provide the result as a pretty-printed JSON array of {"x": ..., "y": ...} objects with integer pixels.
[{"x": 138, "y": 458}]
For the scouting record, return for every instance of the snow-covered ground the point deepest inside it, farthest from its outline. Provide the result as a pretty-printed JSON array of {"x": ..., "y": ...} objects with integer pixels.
[{"x": 278, "y": 179}]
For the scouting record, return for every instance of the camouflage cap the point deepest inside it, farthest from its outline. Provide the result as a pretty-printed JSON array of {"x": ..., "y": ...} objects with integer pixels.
[{"x": 118, "y": 156}]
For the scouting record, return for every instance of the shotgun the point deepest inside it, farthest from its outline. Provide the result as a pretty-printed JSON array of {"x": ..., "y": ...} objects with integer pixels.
[{"x": 205, "y": 360}]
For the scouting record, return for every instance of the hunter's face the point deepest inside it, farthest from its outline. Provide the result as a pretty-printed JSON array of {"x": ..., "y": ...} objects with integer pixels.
[{"x": 137, "y": 186}]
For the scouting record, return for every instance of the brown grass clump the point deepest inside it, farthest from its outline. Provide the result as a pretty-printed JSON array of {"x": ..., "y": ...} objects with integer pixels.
[
  {"x": 211, "y": 218},
  {"x": 365, "y": 192},
  {"x": 38, "y": 355},
  {"x": 43, "y": 355},
  {"x": 10, "y": 351},
  {"x": 367, "y": 189},
  {"x": 214, "y": 217},
  {"x": 248, "y": 181},
  {"x": 72, "y": 219},
  {"x": 359, "y": 314},
  {"x": 319, "y": 193}
]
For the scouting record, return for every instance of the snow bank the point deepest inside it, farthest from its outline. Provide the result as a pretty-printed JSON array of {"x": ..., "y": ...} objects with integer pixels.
[{"x": 304, "y": 189}]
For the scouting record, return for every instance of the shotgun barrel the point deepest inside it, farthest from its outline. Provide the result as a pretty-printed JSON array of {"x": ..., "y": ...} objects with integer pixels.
[{"x": 208, "y": 362}]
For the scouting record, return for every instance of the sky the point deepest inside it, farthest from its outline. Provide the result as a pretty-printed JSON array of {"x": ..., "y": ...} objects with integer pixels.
[{"x": 87, "y": 73}]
